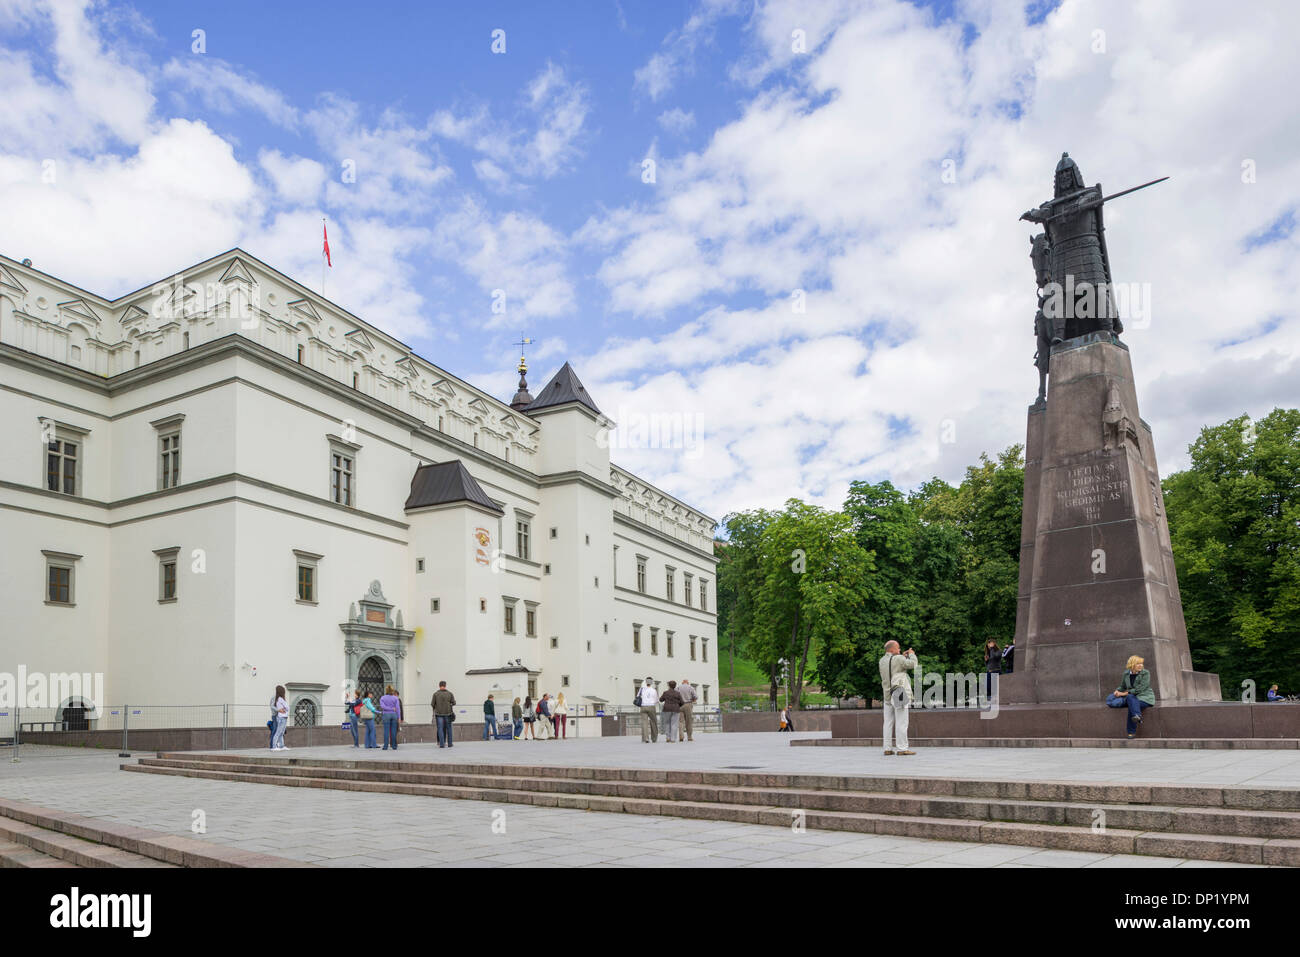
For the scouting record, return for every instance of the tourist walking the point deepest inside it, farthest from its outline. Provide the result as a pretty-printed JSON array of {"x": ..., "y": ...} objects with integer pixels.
[
  {"x": 688, "y": 710},
  {"x": 352, "y": 705},
  {"x": 390, "y": 707},
  {"x": 896, "y": 696},
  {"x": 444, "y": 714},
  {"x": 544, "y": 716},
  {"x": 560, "y": 717},
  {"x": 489, "y": 718},
  {"x": 1134, "y": 692},
  {"x": 785, "y": 719},
  {"x": 370, "y": 714},
  {"x": 992, "y": 666},
  {"x": 280, "y": 714},
  {"x": 672, "y": 704},
  {"x": 646, "y": 699},
  {"x": 517, "y": 719},
  {"x": 530, "y": 718}
]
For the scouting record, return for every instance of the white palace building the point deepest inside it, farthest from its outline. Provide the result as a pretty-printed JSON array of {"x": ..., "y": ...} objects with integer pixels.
[{"x": 224, "y": 482}]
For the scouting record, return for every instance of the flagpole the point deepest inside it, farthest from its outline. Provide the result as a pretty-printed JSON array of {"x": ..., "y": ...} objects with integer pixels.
[{"x": 322, "y": 259}]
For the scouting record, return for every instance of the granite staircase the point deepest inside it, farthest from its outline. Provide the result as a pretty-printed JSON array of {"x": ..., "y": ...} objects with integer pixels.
[{"x": 1229, "y": 824}]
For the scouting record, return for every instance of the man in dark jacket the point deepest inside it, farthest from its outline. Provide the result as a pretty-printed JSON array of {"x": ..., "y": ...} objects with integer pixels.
[
  {"x": 489, "y": 718},
  {"x": 672, "y": 702},
  {"x": 443, "y": 714}
]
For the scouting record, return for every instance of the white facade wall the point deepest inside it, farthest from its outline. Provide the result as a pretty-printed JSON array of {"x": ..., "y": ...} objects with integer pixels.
[{"x": 257, "y": 431}]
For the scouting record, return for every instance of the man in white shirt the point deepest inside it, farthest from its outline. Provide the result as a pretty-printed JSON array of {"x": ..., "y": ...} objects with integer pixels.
[{"x": 649, "y": 697}]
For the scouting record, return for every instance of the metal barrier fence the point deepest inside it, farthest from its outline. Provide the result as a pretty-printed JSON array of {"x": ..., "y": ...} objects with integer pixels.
[{"x": 37, "y": 732}]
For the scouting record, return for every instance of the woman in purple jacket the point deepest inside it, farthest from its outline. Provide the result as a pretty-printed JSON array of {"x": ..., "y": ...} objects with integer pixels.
[{"x": 390, "y": 707}]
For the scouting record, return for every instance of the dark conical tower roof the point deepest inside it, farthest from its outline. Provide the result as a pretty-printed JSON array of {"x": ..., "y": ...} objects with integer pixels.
[
  {"x": 563, "y": 388},
  {"x": 523, "y": 398}
]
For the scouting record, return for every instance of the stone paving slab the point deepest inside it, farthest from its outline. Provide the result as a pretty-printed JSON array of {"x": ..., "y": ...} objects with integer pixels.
[{"x": 409, "y": 830}]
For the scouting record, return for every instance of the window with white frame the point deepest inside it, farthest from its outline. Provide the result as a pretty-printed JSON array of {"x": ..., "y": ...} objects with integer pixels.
[
  {"x": 509, "y": 623},
  {"x": 307, "y": 585},
  {"x": 167, "y": 574},
  {"x": 60, "y": 578},
  {"x": 654, "y": 640},
  {"x": 169, "y": 450},
  {"x": 669, "y": 572},
  {"x": 65, "y": 451},
  {"x": 704, "y": 595},
  {"x": 636, "y": 639},
  {"x": 686, "y": 588},
  {"x": 692, "y": 647},
  {"x": 704, "y": 648},
  {"x": 523, "y": 535},
  {"x": 668, "y": 643},
  {"x": 343, "y": 471},
  {"x": 640, "y": 573},
  {"x": 530, "y": 619}
]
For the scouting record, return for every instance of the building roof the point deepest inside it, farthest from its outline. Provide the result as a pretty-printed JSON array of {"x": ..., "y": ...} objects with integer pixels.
[
  {"x": 563, "y": 388},
  {"x": 445, "y": 482}
]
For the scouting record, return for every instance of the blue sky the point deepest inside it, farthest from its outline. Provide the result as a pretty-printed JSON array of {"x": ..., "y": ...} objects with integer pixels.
[{"x": 826, "y": 279}]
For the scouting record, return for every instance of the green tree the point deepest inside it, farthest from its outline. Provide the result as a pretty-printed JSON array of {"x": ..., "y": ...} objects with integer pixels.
[
  {"x": 813, "y": 574},
  {"x": 1234, "y": 522}
]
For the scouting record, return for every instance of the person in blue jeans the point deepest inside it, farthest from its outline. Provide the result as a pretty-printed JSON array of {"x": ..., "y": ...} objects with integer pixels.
[
  {"x": 390, "y": 707},
  {"x": 351, "y": 707},
  {"x": 489, "y": 718},
  {"x": 1134, "y": 692},
  {"x": 369, "y": 711},
  {"x": 280, "y": 708},
  {"x": 444, "y": 704}
]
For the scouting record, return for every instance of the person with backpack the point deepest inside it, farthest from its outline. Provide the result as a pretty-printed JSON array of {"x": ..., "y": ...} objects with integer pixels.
[
  {"x": 530, "y": 718},
  {"x": 352, "y": 711},
  {"x": 646, "y": 699},
  {"x": 280, "y": 709}
]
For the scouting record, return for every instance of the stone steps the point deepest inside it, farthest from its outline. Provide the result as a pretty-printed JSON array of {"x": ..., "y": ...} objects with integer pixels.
[
  {"x": 19, "y": 855},
  {"x": 1246, "y": 825},
  {"x": 71, "y": 851},
  {"x": 35, "y": 836},
  {"x": 1211, "y": 744}
]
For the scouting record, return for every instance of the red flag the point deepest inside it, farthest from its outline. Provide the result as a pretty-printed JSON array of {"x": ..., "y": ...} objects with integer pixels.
[{"x": 327, "y": 243}]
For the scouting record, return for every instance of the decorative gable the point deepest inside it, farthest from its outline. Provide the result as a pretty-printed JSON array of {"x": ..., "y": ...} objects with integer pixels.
[
  {"x": 238, "y": 272},
  {"x": 304, "y": 309},
  {"x": 79, "y": 309},
  {"x": 358, "y": 337},
  {"x": 9, "y": 281}
]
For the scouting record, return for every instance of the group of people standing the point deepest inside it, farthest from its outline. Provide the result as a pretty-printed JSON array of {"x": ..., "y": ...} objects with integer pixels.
[
  {"x": 546, "y": 718},
  {"x": 365, "y": 708},
  {"x": 678, "y": 704}
]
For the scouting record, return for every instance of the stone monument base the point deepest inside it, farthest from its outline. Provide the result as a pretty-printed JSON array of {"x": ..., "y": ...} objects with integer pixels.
[{"x": 1190, "y": 722}]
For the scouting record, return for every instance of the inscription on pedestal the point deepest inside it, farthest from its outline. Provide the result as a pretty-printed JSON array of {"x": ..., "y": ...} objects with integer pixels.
[{"x": 1086, "y": 490}]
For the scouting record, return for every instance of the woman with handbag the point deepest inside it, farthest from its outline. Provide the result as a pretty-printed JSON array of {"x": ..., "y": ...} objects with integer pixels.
[
  {"x": 529, "y": 717},
  {"x": 369, "y": 712}
]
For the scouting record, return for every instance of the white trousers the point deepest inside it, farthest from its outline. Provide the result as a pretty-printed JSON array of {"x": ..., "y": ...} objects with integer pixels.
[{"x": 896, "y": 725}]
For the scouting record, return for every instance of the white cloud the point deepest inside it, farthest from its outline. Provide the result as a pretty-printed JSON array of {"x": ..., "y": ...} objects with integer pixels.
[
  {"x": 919, "y": 292},
  {"x": 221, "y": 87},
  {"x": 677, "y": 121}
]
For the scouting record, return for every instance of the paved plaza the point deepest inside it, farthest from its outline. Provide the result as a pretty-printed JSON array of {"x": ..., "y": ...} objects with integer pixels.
[{"x": 347, "y": 828}]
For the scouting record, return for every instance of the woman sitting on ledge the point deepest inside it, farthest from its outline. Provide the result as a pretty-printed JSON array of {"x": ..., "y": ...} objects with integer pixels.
[{"x": 1134, "y": 692}]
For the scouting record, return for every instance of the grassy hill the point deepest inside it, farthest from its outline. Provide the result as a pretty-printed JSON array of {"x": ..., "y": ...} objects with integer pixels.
[{"x": 750, "y": 684}]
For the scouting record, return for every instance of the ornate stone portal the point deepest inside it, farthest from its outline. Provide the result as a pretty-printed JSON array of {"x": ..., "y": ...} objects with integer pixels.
[{"x": 374, "y": 631}]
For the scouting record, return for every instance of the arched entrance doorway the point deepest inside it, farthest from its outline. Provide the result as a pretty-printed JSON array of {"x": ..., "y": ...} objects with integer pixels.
[
  {"x": 373, "y": 676},
  {"x": 74, "y": 716}
]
